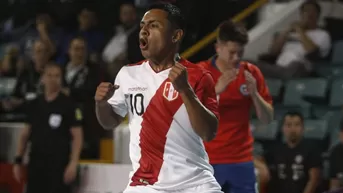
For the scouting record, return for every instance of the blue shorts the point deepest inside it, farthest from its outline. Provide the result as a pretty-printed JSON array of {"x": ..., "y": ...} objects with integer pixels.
[{"x": 236, "y": 178}]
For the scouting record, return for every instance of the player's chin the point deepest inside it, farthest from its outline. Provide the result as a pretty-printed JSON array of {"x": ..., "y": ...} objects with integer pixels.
[{"x": 145, "y": 53}]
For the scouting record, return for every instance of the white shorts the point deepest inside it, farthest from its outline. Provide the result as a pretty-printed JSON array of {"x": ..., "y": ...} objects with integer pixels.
[{"x": 211, "y": 187}]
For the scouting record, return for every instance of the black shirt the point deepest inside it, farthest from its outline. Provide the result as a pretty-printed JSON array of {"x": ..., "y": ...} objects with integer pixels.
[
  {"x": 28, "y": 82},
  {"x": 50, "y": 123},
  {"x": 289, "y": 167},
  {"x": 336, "y": 162}
]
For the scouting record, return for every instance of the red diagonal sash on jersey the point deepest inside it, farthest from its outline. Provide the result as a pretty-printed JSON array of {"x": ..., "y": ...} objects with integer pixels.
[{"x": 153, "y": 135}]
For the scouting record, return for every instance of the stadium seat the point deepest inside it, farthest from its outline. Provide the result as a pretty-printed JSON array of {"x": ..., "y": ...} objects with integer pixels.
[
  {"x": 274, "y": 86},
  {"x": 336, "y": 95},
  {"x": 337, "y": 56},
  {"x": 326, "y": 169},
  {"x": 331, "y": 72},
  {"x": 316, "y": 129},
  {"x": 258, "y": 149},
  {"x": 6, "y": 86},
  {"x": 280, "y": 111},
  {"x": 334, "y": 137},
  {"x": 297, "y": 89},
  {"x": 264, "y": 131},
  {"x": 325, "y": 112}
]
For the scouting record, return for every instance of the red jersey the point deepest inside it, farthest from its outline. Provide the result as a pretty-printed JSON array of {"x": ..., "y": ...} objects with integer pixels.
[{"x": 234, "y": 141}]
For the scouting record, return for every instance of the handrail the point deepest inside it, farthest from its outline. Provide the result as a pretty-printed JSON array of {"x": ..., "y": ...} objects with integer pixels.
[{"x": 212, "y": 36}]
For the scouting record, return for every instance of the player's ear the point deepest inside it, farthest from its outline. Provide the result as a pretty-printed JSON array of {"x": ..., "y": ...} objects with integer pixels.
[
  {"x": 177, "y": 37},
  {"x": 216, "y": 46}
]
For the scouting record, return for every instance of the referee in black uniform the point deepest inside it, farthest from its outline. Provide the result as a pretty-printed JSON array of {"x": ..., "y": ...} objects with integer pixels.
[{"x": 54, "y": 128}]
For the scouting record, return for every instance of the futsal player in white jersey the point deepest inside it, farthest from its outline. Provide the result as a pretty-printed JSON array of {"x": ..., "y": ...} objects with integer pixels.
[{"x": 171, "y": 106}]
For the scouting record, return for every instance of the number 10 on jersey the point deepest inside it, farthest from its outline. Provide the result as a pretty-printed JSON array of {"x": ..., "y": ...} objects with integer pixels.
[{"x": 137, "y": 104}]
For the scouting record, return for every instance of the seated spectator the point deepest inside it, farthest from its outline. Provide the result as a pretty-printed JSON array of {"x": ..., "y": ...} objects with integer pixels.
[
  {"x": 296, "y": 48},
  {"x": 28, "y": 84},
  {"x": 336, "y": 163},
  {"x": 295, "y": 165},
  {"x": 115, "y": 52},
  {"x": 10, "y": 65},
  {"x": 88, "y": 31},
  {"x": 43, "y": 30},
  {"x": 82, "y": 78}
]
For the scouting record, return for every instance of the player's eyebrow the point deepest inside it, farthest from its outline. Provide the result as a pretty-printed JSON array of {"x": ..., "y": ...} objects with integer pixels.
[{"x": 149, "y": 21}]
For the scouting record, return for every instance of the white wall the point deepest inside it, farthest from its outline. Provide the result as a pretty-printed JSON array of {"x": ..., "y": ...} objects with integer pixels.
[{"x": 275, "y": 17}]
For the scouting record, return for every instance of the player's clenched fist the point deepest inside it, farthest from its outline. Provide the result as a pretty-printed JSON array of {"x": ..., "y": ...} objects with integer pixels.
[
  {"x": 104, "y": 91},
  {"x": 179, "y": 77},
  {"x": 225, "y": 79}
]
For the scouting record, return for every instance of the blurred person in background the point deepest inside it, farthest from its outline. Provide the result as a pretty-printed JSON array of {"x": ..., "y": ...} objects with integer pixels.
[
  {"x": 11, "y": 66},
  {"x": 81, "y": 79},
  {"x": 81, "y": 76},
  {"x": 336, "y": 163},
  {"x": 295, "y": 165},
  {"x": 53, "y": 127},
  {"x": 115, "y": 52},
  {"x": 294, "y": 50},
  {"x": 28, "y": 84},
  {"x": 43, "y": 30},
  {"x": 87, "y": 29},
  {"x": 240, "y": 86}
]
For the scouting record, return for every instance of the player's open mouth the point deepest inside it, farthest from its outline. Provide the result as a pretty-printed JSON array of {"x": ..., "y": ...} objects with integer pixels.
[{"x": 143, "y": 43}]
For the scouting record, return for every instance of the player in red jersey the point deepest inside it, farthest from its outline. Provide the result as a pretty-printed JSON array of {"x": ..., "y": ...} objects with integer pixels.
[
  {"x": 240, "y": 86},
  {"x": 171, "y": 106}
]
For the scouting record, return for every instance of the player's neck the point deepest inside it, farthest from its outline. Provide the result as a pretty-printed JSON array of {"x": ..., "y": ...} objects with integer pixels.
[
  {"x": 50, "y": 95},
  {"x": 160, "y": 64},
  {"x": 223, "y": 66}
]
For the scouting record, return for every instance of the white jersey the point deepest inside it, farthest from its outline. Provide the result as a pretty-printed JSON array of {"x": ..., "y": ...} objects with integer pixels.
[{"x": 165, "y": 151}]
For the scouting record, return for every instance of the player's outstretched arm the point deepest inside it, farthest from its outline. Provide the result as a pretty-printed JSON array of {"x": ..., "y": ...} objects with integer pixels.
[{"x": 107, "y": 118}]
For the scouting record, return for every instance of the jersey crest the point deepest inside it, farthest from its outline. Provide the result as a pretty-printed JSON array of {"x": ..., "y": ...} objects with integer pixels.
[
  {"x": 169, "y": 92},
  {"x": 244, "y": 90}
]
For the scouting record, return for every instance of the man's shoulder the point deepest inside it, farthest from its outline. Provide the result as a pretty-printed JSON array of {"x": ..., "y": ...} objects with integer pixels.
[
  {"x": 204, "y": 64},
  {"x": 137, "y": 64},
  {"x": 194, "y": 68},
  {"x": 252, "y": 68},
  {"x": 130, "y": 69},
  {"x": 320, "y": 33}
]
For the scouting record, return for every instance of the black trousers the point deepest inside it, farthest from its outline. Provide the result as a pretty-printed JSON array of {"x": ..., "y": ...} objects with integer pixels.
[{"x": 46, "y": 177}]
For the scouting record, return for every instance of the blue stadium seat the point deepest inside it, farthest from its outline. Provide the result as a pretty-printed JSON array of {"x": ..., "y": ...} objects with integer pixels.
[
  {"x": 264, "y": 131},
  {"x": 274, "y": 86},
  {"x": 337, "y": 56},
  {"x": 336, "y": 96},
  {"x": 299, "y": 88},
  {"x": 316, "y": 129}
]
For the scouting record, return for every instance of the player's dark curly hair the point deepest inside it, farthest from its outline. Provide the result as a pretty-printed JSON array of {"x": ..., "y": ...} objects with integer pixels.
[
  {"x": 175, "y": 17},
  {"x": 229, "y": 31},
  {"x": 313, "y": 3}
]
